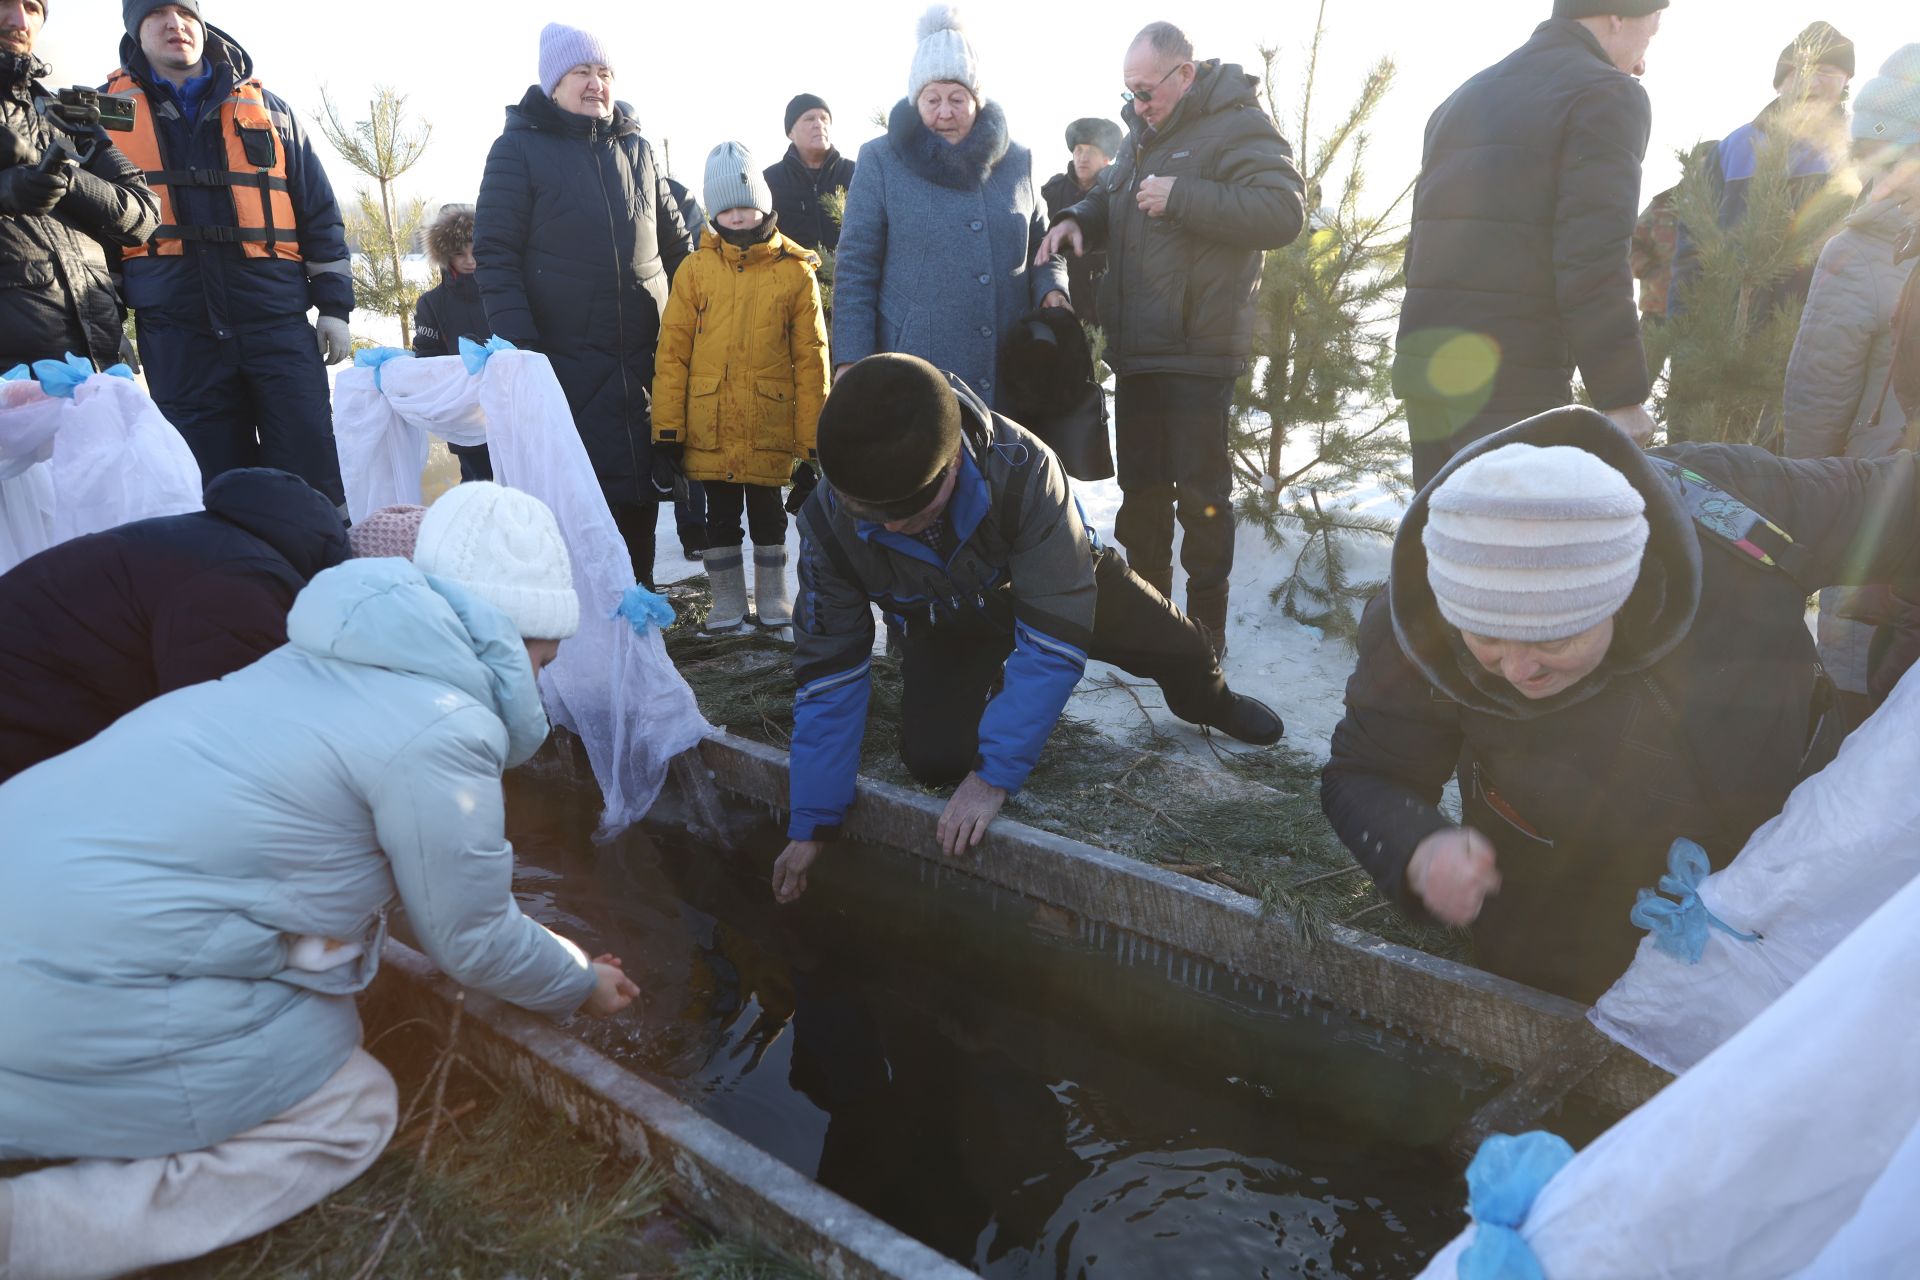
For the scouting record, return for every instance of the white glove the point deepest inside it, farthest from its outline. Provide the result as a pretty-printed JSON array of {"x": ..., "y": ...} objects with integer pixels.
[
  {"x": 129, "y": 354},
  {"x": 336, "y": 341}
]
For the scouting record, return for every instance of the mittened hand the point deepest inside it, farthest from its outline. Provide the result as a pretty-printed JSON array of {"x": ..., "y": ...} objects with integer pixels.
[
  {"x": 805, "y": 481},
  {"x": 667, "y": 471},
  {"x": 14, "y": 150}
]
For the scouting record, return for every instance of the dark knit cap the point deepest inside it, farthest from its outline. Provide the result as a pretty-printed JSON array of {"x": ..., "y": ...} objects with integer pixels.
[
  {"x": 1104, "y": 134},
  {"x": 887, "y": 432},
  {"x": 134, "y": 12},
  {"x": 803, "y": 103},
  {"x": 1606, "y": 8},
  {"x": 1818, "y": 46}
]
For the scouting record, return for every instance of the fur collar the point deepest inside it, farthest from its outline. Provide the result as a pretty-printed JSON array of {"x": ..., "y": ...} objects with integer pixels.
[{"x": 962, "y": 166}]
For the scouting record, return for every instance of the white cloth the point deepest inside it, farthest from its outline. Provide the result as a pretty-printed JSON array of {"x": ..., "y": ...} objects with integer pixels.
[
  {"x": 75, "y": 466},
  {"x": 1789, "y": 1151},
  {"x": 618, "y": 691},
  {"x": 98, "y": 1218},
  {"x": 1848, "y": 840}
]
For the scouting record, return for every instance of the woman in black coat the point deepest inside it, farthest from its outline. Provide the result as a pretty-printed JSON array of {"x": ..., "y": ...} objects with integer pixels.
[{"x": 576, "y": 238}]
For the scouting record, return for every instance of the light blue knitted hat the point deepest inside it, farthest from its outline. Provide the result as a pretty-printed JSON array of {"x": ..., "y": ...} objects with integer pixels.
[
  {"x": 1887, "y": 108},
  {"x": 734, "y": 181}
]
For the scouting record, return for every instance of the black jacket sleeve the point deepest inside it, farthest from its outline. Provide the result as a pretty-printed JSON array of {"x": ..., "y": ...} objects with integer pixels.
[
  {"x": 1392, "y": 754},
  {"x": 501, "y": 228},
  {"x": 1254, "y": 201},
  {"x": 429, "y": 336},
  {"x": 110, "y": 200},
  {"x": 217, "y": 623},
  {"x": 323, "y": 232},
  {"x": 675, "y": 241},
  {"x": 1596, "y": 209}
]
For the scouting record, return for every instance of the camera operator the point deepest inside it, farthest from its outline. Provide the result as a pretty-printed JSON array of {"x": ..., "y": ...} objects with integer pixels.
[{"x": 55, "y": 295}]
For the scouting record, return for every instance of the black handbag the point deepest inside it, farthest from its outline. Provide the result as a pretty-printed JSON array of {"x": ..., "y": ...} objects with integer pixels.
[{"x": 1046, "y": 374}]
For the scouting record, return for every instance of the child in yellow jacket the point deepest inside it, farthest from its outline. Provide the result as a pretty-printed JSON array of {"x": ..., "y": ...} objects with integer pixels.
[{"x": 738, "y": 383}]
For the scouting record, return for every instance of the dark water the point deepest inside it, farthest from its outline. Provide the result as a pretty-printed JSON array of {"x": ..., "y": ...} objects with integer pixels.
[{"x": 1030, "y": 1095}]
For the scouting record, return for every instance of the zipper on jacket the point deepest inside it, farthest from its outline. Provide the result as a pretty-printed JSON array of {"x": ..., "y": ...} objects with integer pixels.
[{"x": 619, "y": 314}]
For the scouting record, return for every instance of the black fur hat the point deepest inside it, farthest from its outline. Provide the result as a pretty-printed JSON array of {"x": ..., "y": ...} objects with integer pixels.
[{"x": 1102, "y": 133}]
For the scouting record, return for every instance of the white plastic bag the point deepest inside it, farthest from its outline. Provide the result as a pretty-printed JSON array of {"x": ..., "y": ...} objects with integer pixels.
[{"x": 1847, "y": 841}]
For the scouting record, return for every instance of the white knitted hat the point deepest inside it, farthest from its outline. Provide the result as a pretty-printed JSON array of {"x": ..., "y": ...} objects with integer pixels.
[
  {"x": 1533, "y": 544},
  {"x": 505, "y": 547},
  {"x": 562, "y": 48},
  {"x": 943, "y": 54}
]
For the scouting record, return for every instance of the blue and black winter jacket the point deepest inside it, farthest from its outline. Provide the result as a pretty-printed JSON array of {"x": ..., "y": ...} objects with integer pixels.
[
  {"x": 213, "y": 287},
  {"x": 1022, "y": 564}
]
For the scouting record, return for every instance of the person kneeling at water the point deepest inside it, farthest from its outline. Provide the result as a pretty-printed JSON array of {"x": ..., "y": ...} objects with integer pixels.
[
  {"x": 959, "y": 524},
  {"x": 1610, "y": 649},
  {"x": 161, "y": 1027}
]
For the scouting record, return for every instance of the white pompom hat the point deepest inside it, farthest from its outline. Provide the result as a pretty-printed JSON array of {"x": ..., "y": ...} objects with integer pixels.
[
  {"x": 943, "y": 52},
  {"x": 1533, "y": 544},
  {"x": 505, "y": 547}
]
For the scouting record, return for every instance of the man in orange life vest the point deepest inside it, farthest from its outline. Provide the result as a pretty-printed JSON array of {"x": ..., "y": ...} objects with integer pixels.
[{"x": 250, "y": 238}]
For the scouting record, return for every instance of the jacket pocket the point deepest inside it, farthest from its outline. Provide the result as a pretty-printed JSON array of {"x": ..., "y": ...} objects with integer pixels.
[
  {"x": 703, "y": 412},
  {"x": 1495, "y": 803},
  {"x": 773, "y": 414}
]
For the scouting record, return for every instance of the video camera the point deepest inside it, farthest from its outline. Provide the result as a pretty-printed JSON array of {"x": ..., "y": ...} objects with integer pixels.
[{"x": 77, "y": 112}]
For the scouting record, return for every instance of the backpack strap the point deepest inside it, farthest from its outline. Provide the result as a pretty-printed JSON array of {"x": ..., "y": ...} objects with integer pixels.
[{"x": 1731, "y": 522}]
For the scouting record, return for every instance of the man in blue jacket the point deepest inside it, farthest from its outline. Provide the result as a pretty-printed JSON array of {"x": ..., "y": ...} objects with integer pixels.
[
  {"x": 959, "y": 524},
  {"x": 250, "y": 240}
]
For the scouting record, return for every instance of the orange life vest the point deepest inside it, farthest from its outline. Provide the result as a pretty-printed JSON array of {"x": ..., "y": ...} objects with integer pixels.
[{"x": 256, "y": 175}]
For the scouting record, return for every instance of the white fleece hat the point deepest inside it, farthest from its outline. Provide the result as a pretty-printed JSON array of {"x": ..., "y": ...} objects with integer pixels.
[
  {"x": 1533, "y": 544},
  {"x": 505, "y": 547},
  {"x": 943, "y": 53}
]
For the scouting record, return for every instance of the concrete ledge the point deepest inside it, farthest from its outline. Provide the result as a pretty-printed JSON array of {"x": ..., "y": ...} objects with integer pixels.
[
  {"x": 722, "y": 1179},
  {"x": 1463, "y": 1008}
]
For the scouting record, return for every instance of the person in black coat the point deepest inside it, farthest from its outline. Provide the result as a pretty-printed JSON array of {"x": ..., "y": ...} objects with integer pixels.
[
  {"x": 452, "y": 310},
  {"x": 810, "y": 171},
  {"x": 1518, "y": 264},
  {"x": 1093, "y": 143},
  {"x": 55, "y": 295},
  {"x": 98, "y": 625},
  {"x": 577, "y": 237},
  {"x": 1593, "y": 717}
]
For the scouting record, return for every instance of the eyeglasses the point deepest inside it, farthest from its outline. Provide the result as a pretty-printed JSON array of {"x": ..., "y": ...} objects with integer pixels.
[{"x": 1146, "y": 95}]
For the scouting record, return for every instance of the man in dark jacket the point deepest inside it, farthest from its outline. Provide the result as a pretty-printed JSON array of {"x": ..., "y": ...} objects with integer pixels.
[
  {"x": 961, "y": 527},
  {"x": 98, "y": 625},
  {"x": 1517, "y": 267},
  {"x": 1204, "y": 184},
  {"x": 577, "y": 237},
  {"x": 452, "y": 310},
  {"x": 252, "y": 239},
  {"x": 811, "y": 172},
  {"x": 1610, "y": 649},
  {"x": 1093, "y": 142},
  {"x": 56, "y": 297}
]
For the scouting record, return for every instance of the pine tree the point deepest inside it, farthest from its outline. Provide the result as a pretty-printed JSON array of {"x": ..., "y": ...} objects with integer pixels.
[
  {"x": 385, "y": 228},
  {"x": 1323, "y": 358}
]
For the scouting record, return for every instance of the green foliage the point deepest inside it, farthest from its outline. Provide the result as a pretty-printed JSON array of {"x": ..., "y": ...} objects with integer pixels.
[
  {"x": 383, "y": 227},
  {"x": 1734, "y": 323},
  {"x": 1323, "y": 361},
  {"x": 834, "y": 205}
]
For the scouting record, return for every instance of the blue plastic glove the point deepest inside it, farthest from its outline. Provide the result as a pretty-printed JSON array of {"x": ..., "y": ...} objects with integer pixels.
[{"x": 643, "y": 608}]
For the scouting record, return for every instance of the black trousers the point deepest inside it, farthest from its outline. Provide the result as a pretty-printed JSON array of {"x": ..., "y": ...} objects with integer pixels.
[
  {"x": 1171, "y": 432},
  {"x": 950, "y": 669},
  {"x": 475, "y": 462},
  {"x": 1438, "y": 434},
  {"x": 636, "y": 521},
  {"x": 766, "y": 514},
  {"x": 256, "y": 399}
]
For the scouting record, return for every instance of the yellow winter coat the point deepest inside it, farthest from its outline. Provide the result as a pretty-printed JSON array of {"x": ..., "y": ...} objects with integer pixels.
[{"x": 742, "y": 366}]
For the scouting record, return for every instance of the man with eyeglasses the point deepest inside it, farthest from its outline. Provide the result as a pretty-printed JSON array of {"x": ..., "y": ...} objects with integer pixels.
[
  {"x": 1203, "y": 186},
  {"x": 960, "y": 526}
]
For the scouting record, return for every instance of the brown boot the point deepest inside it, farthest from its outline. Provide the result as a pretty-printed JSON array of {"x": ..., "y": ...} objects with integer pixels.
[{"x": 1207, "y": 606}]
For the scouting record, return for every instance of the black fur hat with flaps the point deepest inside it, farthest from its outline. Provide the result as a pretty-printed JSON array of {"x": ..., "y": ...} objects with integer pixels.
[{"x": 1047, "y": 385}]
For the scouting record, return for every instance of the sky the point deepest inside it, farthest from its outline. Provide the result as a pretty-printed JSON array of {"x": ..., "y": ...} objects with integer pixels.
[{"x": 712, "y": 77}]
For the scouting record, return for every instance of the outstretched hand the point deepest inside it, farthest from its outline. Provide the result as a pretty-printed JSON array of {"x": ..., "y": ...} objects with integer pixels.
[
  {"x": 975, "y": 804},
  {"x": 1453, "y": 872},
  {"x": 613, "y": 990},
  {"x": 1066, "y": 232},
  {"x": 790, "y": 869}
]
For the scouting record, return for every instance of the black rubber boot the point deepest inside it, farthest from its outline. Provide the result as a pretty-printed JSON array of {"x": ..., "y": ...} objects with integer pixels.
[
  {"x": 1251, "y": 721},
  {"x": 1208, "y": 607}
]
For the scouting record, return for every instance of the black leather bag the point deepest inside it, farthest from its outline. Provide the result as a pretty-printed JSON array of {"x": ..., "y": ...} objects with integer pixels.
[{"x": 1046, "y": 371}]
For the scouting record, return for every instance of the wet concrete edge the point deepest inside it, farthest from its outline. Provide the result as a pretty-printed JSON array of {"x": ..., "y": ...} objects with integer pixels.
[
  {"x": 1452, "y": 1004},
  {"x": 723, "y": 1180}
]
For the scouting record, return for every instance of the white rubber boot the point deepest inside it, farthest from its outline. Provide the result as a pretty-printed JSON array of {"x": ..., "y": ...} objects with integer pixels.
[
  {"x": 772, "y": 598},
  {"x": 727, "y": 575}
]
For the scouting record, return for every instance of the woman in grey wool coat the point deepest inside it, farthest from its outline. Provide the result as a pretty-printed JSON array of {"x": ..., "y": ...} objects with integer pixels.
[{"x": 941, "y": 222}]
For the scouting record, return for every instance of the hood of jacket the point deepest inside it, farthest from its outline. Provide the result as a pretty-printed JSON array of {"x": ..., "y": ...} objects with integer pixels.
[
  {"x": 772, "y": 249},
  {"x": 385, "y": 613},
  {"x": 1887, "y": 220},
  {"x": 962, "y": 166},
  {"x": 1217, "y": 86},
  {"x": 286, "y": 513},
  {"x": 222, "y": 49},
  {"x": 1656, "y": 617},
  {"x": 537, "y": 111}
]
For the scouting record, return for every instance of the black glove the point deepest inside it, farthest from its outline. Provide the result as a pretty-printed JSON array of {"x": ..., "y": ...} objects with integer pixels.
[
  {"x": 14, "y": 150},
  {"x": 24, "y": 190},
  {"x": 668, "y": 475},
  {"x": 805, "y": 478}
]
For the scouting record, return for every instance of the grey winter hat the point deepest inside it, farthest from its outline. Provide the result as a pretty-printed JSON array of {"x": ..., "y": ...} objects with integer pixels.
[
  {"x": 1533, "y": 544},
  {"x": 134, "y": 12},
  {"x": 943, "y": 52},
  {"x": 1887, "y": 108},
  {"x": 1606, "y": 8},
  {"x": 1102, "y": 133},
  {"x": 734, "y": 181}
]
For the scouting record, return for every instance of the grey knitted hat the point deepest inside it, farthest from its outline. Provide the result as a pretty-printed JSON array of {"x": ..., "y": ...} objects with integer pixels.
[
  {"x": 734, "y": 182},
  {"x": 134, "y": 12},
  {"x": 943, "y": 52},
  {"x": 1533, "y": 544},
  {"x": 1887, "y": 109}
]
